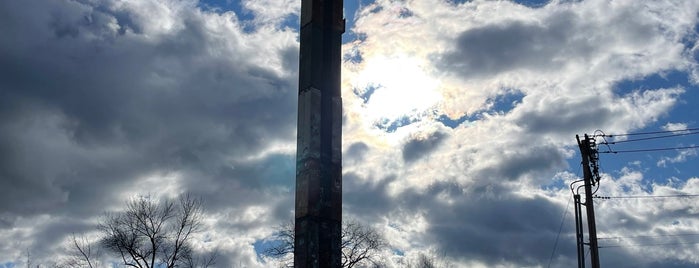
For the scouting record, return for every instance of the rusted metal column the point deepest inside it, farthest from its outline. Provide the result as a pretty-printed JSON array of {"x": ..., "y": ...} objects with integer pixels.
[{"x": 319, "y": 142}]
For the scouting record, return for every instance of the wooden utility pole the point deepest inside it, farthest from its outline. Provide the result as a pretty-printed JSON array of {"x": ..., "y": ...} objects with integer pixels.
[
  {"x": 579, "y": 231},
  {"x": 319, "y": 137},
  {"x": 588, "y": 153}
]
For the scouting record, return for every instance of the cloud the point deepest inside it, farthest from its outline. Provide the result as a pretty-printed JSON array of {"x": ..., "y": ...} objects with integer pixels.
[
  {"x": 272, "y": 11},
  {"x": 681, "y": 157},
  {"x": 102, "y": 100},
  {"x": 480, "y": 183},
  {"x": 416, "y": 148},
  {"x": 675, "y": 126},
  {"x": 505, "y": 46}
]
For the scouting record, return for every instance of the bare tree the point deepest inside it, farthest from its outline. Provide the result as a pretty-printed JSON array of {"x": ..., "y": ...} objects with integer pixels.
[
  {"x": 151, "y": 234},
  {"x": 83, "y": 254},
  {"x": 84, "y": 248},
  {"x": 361, "y": 244},
  {"x": 425, "y": 261},
  {"x": 429, "y": 261},
  {"x": 29, "y": 258},
  {"x": 284, "y": 249}
]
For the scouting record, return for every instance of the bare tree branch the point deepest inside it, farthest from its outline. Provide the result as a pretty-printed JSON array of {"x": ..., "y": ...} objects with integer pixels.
[
  {"x": 29, "y": 258},
  {"x": 429, "y": 260},
  {"x": 84, "y": 250},
  {"x": 360, "y": 244},
  {"x": 285, "y": 236},
  {"x": 152, "y": 234}
]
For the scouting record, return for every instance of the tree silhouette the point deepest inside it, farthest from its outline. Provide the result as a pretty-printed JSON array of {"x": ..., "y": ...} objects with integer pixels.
[
  {"x": 361, "y": 244},
  {"x": 150, "y": 234},
  {"x": 429, "y": 260}
]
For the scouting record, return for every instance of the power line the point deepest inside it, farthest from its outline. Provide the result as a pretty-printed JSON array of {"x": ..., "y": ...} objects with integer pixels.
[
  {"x": 645, "y": 133},
  {"x": 649, "y": 138},
  {"x": 646, "y": 196},
  {"x": 647, "y": 236},
  {"x": 560, "y": 228},
  {"x": 647, "y": 240},
  {"x": 651, "y": 244},
  {"x": 649, "y": 150}
]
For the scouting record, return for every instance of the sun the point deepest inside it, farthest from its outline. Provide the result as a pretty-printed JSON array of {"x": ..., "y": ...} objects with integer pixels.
[{"x": 396, "y": 88}]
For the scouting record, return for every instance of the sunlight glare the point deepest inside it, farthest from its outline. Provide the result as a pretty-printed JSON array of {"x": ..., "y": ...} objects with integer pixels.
[{"x": 401, "y": 88}]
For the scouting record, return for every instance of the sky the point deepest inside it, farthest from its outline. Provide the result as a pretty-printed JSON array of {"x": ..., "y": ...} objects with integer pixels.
[{"x": 459, "y": 124}]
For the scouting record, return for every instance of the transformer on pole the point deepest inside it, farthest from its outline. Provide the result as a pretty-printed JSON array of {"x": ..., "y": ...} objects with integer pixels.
[{"x": 318, "y": 217}]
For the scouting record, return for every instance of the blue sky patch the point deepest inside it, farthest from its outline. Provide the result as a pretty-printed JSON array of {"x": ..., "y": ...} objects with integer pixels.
[
  {"x": 658, "y": 80},
  {"x": 458, "y": 2},
  {"x": 391, "y": 126},
  {"x": 351, "y": 8},
  {"x": 532, "y": 3},
  {"x": 353, "y": 56},
  {"x": 405, "y": 13},
  {"x": 366, "y": 94},
  {"x": 453, "y": 123},
  {"x": 506, "y": 102},
  {"x": 683, "y": 112},
  {"x": 261, "y": 246},
  {"x": 246, "y": 17},
  {"x": 223, "y": 5}
]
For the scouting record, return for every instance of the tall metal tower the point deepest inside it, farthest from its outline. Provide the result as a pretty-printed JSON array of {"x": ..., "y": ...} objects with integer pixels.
[{"x": 319, "y": 142}]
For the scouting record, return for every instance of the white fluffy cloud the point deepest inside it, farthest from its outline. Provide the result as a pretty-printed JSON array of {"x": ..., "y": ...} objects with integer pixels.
[
  {"x": 104, "y": 100},
  {"x": 525, "y": 81}
]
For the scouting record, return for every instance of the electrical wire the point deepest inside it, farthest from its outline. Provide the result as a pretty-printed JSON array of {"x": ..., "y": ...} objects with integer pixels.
[
  {"x": 574, "y": 182},
  {"x": 656, "y": 136},
  {"x": 595, "y": 191},
  {"x": 650, "y": 245},
  {"x": 560, "y": 228},
  {"x": 648, "y": 138},
  {"x": 646, "y": 236},
  {"x": 649, "y": 150},
  {"x": 577, "y": 189},
  {"x": 646, "y": 196},
  {"x": 645, "y": 133}
]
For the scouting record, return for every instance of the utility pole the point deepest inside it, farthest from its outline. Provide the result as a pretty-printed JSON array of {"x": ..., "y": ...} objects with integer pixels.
[
  {"x": 579, "y": 231},
  {"x": 318, "y": 218},
  {"x": 588, "y": 152}
]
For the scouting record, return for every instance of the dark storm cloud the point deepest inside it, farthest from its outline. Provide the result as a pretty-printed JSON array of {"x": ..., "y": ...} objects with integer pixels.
[
  {"x": 419, "y": 147},
  {"x": 512, "y": 45},
  {"x": 356, "y": 150},
  {"x": 52, "y": 234},
  {"x": 247, "y": 183},
  {"x": 556, "y": 115},
  {"x": 86, "y": 109},
  {"x": 496, "y": 229},
  {"x": 564, "y": 115},
  {"x": 621, "y": 262},
  {"x": 491, "y": 225},
  {"x": 484, "y": 223},
  {"x": 366, "y": 199},
  {"x": 513, "y": 163},
  {"x": 489, "y": 220}
]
